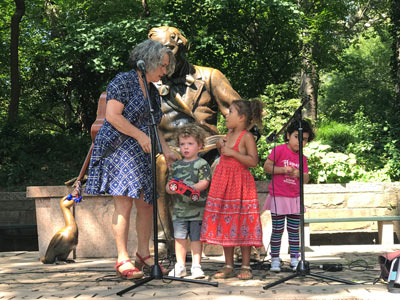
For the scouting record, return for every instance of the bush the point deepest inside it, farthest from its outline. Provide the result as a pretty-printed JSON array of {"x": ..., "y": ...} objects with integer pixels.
[
  {"x": 337, "y": 135},
  {"x": 392, "y": 148},
  {"x": 369, "y": 143},
  {"x": 39, "y": 159},
  {"x": 333, "y": 167}
]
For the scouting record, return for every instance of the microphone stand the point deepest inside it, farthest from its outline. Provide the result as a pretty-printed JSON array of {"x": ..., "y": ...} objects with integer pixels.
[
  {"x": 303, "y": 267},
  {"x": 156, "y": 272}
]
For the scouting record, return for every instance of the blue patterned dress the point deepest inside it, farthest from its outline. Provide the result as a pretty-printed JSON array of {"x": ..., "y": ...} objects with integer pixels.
[{"x": 118, "y": 165}]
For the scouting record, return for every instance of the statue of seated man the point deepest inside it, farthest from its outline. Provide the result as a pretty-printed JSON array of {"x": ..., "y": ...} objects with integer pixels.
[{"x": 193, "y": 94}]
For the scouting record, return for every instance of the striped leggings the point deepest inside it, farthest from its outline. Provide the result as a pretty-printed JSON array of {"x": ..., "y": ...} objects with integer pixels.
[{"x": 278, "y": 226}]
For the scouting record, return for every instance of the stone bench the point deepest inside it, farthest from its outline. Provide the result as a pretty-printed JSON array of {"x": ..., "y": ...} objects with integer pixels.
[
  {"x": 355, "y": 203},
  {"x": 385, "y": 226}
]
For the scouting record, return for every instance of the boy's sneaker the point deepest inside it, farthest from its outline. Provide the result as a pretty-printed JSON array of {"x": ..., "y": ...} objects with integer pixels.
[
  {"x": 178, "y": 271},
  {"x": 294, "y": 261},
  {"x": 197, "y": 272},
  {"x": 275, "y": 264}
]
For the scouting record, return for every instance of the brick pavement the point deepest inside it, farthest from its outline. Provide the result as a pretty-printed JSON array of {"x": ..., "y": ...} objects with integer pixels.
[{"x": 22, "y": 276}]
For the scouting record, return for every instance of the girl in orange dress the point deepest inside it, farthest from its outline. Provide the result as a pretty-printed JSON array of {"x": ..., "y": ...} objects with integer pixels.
[{"x": 232, "y": 215}]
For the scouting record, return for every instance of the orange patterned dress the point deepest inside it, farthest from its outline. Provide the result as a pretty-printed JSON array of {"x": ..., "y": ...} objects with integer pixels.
[{"x": 232, "y": 215}]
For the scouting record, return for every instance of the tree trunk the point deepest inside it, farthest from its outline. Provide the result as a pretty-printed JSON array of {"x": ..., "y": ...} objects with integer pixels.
[
  {"x": 146, "y": 9},
  {"x": 395, "y": 16},
  {"x": 14, "y": 69},
  {"x": 309, "y": 86},
  {"x": 309, "y": 81}
]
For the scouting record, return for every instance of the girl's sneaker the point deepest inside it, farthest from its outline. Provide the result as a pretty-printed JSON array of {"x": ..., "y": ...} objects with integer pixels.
[
  {"x": 294, "y": 261},
  {"x": 197, "y": 272},
  {"x": 178, "y": 271},
  {"x": 275, "y": 264}
]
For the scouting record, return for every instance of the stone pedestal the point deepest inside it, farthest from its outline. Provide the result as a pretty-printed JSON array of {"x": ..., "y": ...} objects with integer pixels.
[
  {"x": 93, "y": 217},
  {"x": 94, "y": 214}
]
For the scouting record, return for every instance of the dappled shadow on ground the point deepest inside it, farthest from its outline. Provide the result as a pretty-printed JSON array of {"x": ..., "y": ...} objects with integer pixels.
[{"x": 22, "y": 276}]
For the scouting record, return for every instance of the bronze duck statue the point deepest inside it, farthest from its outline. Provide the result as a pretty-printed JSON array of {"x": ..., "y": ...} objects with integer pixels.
[{"x": 66, "y": 239}]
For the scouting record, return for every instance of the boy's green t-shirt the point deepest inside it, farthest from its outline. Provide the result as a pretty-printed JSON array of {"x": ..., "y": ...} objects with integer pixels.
[{"x": 191, "y": 173}]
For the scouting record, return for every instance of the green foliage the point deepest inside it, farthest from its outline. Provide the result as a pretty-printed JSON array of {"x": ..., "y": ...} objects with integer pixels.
[
  {"x": 333, "y": 167},
  {"x": 69, "y": 50},
  {"x": 255, "y": 43},
  {"x": 370, "y": 141},
  {"x": 326, "y": 166},
  {"x": 337, "y": 135},
  {"x": 392, "y": 166},
  {"x": 353, "y": 152},
  {"x": 324, "y": 34},
  {"x": 359, "y": 109},
  {"x": 281, "y": 102},
  {"x": 364, "y": 81},
  {"x": 39, "y": 159}
]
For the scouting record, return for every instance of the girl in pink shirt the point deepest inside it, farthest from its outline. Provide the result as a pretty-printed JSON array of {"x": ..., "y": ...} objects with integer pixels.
[{"x": 283, "y": 199}]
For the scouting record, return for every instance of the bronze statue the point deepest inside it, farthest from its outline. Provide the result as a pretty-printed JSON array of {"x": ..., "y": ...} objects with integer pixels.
[
  {"x": 193, "y": 94},
  {"x": 66, "y": 239}
]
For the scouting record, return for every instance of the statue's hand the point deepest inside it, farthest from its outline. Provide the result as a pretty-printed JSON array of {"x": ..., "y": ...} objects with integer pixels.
[{"x": 170, "y": 157}]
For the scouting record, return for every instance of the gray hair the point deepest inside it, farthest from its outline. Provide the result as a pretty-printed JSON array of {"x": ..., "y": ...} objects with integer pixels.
[{"x": 152, "y": 53}]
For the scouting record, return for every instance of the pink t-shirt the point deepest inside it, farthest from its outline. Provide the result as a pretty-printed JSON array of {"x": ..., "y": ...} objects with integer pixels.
[{"x": 283, "y": 185}]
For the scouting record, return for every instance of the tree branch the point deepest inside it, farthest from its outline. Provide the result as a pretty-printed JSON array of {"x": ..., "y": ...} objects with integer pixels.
[
  {"x": 14, "y": 67},
  {"x": 146, "y": 9}
]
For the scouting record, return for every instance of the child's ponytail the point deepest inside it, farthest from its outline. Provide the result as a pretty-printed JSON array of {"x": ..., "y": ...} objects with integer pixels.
[
  {"x": 256, "y": 112},
  {"x": 252, "y": 110}
]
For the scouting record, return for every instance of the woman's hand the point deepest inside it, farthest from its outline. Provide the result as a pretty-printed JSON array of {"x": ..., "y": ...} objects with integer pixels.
[
  {"x": 144, "y": 142},
  {"x": 114, "y": 117}
]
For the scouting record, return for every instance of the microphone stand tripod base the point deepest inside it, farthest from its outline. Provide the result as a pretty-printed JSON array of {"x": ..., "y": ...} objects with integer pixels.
[
  {"x": 303, "y": 269},
  {"x": 156, "y": 273}
]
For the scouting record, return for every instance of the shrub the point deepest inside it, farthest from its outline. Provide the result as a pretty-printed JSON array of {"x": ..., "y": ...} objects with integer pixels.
[
  {"x": 337, "y": 135},
  {"x": 39, "y": 159},
  {"x": 332, "y": 167}
]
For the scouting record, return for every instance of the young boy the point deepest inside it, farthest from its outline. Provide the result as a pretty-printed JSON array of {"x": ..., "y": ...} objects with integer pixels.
[{"x": 187, "y": 214}]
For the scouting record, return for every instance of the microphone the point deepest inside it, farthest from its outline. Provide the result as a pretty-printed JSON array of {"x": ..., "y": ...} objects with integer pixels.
[
  {"x": 331, "y": 267},
  {"x": 141, "y": 66}
]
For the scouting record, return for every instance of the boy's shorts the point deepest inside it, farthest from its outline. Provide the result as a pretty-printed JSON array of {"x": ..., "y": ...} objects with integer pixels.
[{"x": 183, "y": 229}]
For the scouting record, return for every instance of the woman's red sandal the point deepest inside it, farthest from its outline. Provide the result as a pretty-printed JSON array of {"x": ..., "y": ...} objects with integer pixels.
[
  {"x": 134, "y": 273},
  {"x": 140, "y": 263}
]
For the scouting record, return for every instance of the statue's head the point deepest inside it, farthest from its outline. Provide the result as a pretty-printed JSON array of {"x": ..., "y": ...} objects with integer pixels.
[{"x": 170, "y": 37}]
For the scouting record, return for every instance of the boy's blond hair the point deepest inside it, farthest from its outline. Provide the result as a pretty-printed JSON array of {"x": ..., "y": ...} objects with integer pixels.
[{"x": 192, "y": 130}]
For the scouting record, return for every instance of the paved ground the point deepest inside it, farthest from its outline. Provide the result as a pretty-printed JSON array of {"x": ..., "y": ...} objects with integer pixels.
[{"x": 22, "y": 276}]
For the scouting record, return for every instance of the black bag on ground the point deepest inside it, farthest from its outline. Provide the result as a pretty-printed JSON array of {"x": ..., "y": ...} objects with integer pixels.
[{"x": 390, "y": 270}]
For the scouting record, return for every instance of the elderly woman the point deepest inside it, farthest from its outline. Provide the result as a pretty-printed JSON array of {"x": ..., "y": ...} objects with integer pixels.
[{"x": 121, "y": 162}]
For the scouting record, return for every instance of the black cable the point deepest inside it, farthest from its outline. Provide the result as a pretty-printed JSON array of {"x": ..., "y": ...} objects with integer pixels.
[{"x": 360, "y": 263}]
